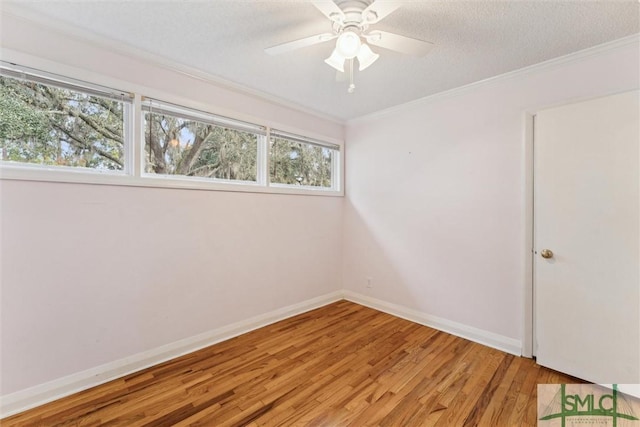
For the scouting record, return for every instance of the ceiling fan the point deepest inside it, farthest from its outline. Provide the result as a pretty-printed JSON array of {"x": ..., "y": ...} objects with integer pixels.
[{"x": 350, "y": 21}]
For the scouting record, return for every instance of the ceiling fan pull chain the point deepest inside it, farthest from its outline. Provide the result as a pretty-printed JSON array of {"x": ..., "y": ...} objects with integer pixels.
[{"x": 352, "y": 86}]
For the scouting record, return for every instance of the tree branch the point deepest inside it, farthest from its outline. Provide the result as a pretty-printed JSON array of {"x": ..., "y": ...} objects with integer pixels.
[
  {"x": 106, "y": 132},
  {"x": 156, "y": 150},
  {"x": 186, "y": 163},
  {"x": 81, "y": 144},
  {"x": 60, "y": 105}
]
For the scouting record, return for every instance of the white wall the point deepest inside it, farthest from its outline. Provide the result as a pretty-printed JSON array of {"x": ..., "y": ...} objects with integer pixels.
[
  {"x": 435, "y": 208},
  {"x": 434, "y": 214},
  {"x": 95, "y": 273},
  {"x": 92, "y": 274}
]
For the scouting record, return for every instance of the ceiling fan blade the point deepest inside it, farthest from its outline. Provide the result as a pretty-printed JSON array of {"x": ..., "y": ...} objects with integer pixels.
[
  {"x": 297, "y": 44},
  {"x": 399, "y": 43},
  {"x": 378, "y": 10},
  {"x": 329, "y": 9}
]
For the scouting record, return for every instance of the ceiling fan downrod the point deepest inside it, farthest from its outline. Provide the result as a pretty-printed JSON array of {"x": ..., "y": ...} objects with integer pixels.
[{"x": 352, "y": 86}]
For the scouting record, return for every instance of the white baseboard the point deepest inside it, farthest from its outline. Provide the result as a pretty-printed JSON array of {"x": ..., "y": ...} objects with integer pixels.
[
  {"x": 38, "y": 395},
  {"x": 480, "y": 336}
]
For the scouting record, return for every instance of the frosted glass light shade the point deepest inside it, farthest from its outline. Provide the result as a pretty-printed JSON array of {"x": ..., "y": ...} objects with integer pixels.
[
  {"x": 336, "y": 60},
  {"x": 348, "y": 44},
  {"x": 366, "y": 56}
]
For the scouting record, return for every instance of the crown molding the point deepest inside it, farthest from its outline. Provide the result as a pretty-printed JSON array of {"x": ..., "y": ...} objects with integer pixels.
[
  {"x": 97, "y": 41},
  {"x": 545, "y": 65}
]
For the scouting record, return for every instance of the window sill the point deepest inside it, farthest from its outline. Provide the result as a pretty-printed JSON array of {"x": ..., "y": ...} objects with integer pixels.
[{"x": 94, "y": 177}]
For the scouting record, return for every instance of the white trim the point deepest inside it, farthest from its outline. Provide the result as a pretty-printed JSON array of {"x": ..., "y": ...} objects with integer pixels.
[
  {"x": 280, "y": 134},
  {"x": 28, "y": 74},
  {"x": 527, "y": 280},
  {"x": 337, "y": 173},
  {"x": 490, "y": 339},
  {"x": 93, "y": 177},
  {"x": 38, "y": 395},
  {"x": 152, "y": 105},
  {"x": 263, "y": 160},
  {"x": 549, "y": 64},
  {"x": 32, "y": 397},
  {"x": 135, "y": 155}
]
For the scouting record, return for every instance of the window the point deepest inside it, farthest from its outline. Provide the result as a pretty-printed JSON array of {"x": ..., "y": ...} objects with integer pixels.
[
  {"x": 54, "y": 128},
  {"x": 185, "y": 142},
  {"x": 53, "y": 123},
  {"x": 296, "y": 160}
]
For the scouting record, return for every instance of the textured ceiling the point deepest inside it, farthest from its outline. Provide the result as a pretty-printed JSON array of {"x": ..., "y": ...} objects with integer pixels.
[{"x": 474, "y": 40}]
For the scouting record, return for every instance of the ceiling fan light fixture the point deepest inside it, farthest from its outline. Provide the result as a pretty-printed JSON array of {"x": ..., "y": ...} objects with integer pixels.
[
  {"x": 348, "y": 44},
  {"x": 366, "y": 56},
  {"x": 336, "y": 60},
  {"x": 350, "y": 24}
]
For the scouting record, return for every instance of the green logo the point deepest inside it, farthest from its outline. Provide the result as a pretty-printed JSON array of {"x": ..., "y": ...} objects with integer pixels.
[{"x": 589, "y": 401}]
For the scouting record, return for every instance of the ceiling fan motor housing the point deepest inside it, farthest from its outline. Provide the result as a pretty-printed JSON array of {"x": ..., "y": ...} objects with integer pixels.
[{"x": 353, "y": 16}]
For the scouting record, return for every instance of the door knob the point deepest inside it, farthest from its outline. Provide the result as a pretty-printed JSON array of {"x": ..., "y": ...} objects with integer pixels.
[{"x": 546, "y": 253}]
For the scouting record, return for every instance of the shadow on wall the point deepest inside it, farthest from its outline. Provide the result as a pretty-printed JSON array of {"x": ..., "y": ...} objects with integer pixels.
[
  {"x": 371, "y": 268},
  {"x": 423, "y": 257}
]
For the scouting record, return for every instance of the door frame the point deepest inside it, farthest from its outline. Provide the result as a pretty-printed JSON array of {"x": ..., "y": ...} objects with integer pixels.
[{"x": 528, "y": 323}]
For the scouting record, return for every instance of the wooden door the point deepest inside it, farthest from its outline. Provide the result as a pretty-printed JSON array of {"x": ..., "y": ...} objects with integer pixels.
[{"x": 586, "y": 197}]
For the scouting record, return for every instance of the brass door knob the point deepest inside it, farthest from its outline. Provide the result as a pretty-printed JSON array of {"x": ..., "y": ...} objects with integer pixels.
[{"x": 546, "y": 253}]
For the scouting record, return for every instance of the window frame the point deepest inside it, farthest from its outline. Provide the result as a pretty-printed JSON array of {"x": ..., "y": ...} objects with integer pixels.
[
  {"x": 163, "y": 107},
  {"x": 335, "y": 158},
  {"x": 132, "y": 173},
  {"x": 18, "y": 72}
]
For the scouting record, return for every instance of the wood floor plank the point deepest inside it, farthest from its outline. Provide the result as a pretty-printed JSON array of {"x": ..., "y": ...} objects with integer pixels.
[
  {"x": 494, "y": 408},
  {"x": 339, "y": 365}
]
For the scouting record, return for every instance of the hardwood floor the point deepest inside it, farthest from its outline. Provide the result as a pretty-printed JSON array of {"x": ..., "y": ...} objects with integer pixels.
[{"x": 342, "y": 364}]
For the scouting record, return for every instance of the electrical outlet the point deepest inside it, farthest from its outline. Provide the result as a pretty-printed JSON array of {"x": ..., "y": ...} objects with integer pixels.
[{"x": 369, "y": 283}]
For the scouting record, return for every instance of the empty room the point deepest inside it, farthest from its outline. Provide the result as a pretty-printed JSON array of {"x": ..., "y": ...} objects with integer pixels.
[{"x": 320, "y": 213}]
